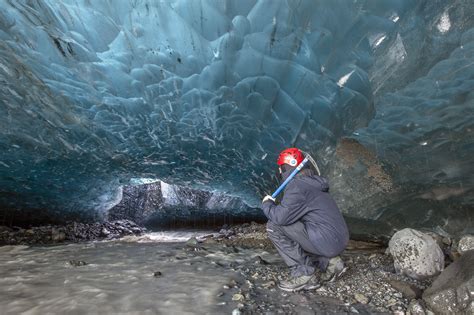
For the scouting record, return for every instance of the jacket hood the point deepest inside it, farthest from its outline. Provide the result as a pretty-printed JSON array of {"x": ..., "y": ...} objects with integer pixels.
[{"x": 308, "y": 175}]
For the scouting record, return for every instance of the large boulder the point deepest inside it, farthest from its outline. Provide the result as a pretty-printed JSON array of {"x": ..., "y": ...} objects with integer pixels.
[
  {"x": 416, "y": 254},
  {"x": 453, "y": 291},
  {"x": 466, "y": 243}
]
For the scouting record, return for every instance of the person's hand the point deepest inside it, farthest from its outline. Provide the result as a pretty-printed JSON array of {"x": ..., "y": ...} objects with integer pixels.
[{"x": 268, "y": 198}]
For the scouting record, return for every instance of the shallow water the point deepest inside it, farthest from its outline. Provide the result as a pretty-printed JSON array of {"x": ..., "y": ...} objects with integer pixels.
[{"x": 118, "y": 278}]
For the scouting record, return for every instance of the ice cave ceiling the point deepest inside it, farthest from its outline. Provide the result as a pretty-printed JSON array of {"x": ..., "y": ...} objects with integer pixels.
[{"x": 206, "y": 93}]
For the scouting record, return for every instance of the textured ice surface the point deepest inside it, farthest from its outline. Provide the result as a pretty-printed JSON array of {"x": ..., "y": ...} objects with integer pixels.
[{"x": 206, "y": 93}]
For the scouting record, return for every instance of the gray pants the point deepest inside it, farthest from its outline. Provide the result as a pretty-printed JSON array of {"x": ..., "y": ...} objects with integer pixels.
[{"x": 296, "y": 249}]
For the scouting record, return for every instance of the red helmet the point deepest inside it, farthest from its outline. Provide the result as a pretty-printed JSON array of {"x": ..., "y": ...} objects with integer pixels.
[{"x": 291, "y": 156}]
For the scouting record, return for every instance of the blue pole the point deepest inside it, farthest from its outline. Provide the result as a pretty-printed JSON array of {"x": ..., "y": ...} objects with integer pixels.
[{"x": 293, "y": 174}]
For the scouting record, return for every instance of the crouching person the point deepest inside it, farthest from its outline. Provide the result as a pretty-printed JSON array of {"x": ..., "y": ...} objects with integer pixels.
[{"x": 307, "y": 228}]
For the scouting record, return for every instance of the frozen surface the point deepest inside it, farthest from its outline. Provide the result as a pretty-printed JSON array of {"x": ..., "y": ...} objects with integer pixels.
[
  {"x": 206, "y": 93},
  {"x": 118, "y": 278}
]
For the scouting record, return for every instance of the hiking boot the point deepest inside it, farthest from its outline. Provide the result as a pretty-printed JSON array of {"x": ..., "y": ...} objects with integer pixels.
[
  {"x": 299, "y": 283},
  {"x": 335, "y": 269}
]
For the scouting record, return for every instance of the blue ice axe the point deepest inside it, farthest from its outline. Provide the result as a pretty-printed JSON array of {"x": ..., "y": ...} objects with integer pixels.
[{"x": 293, "y": 174}]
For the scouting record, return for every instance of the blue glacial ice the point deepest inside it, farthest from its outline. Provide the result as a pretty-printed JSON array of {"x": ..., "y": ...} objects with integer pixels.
[{"x": 206, "y": 93}]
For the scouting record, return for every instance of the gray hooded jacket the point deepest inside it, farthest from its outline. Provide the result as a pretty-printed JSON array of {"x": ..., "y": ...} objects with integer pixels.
[{"x": 307, "y": 199}]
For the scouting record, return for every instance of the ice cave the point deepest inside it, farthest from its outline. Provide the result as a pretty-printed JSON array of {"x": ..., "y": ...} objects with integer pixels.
[{"x": 179, "y": 109}]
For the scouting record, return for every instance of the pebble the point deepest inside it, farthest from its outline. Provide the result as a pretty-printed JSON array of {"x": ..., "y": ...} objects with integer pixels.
[
  {"x": 238, "y": 297},
  {"x": 77, "y": 263},
  {"x": 269, "y": 284},
  {"x": 260, "y": 261},
  {"x": 192, "y": 241},
  {"x": 236, "y": 312},
  {"x": 361, "y": 298},
  {"x": 391, "y": 302},
  {"x": 415, "y": 308},
  {"x": 157, "y": 274}
]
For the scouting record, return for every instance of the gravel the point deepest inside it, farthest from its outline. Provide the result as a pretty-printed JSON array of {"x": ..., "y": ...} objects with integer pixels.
[{"x": 370, "y": 284}]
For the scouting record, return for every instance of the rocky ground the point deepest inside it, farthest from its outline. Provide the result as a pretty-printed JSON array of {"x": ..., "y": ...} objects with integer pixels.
[
  {"x": 369, "y": 286},
  {"x": 71, "y": 232}
]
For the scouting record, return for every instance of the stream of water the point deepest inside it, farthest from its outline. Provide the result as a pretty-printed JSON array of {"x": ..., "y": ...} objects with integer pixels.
[{"x": 118, "y": 278}]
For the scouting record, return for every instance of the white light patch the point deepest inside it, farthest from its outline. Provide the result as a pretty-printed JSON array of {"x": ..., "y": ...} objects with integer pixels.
[
  {"x": 424, "y": 143},
  {"x": 343, "y": 80},
  {"x": 379, "y": 41},
  {"x": 167, "y": 237},
  {"x": 142, "y": 181},
  {"x": 5, "y": 68},
  {"x": 170, "y": 197},
  {"x": 395, "y": 18},
  {"x": 444, "y": 24}
]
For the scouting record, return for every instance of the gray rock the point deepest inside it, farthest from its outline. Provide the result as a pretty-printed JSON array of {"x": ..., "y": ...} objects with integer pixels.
[
  {"x": 452, "y": 291},
  {"x": 192, "y": 241},
  {"x": 466, "y": 243},
  {"x": 416, "y": 254},
  {"x": 415, "y": 308}
]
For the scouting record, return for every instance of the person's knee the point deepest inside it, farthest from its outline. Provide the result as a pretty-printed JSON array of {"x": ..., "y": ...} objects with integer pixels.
[
  {"x": 273, "y": 229},
  {"x": 270, "y": 226}
]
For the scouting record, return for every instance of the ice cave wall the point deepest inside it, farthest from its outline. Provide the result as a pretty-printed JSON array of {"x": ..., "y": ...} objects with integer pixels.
[{"x": 206, "y": 93}]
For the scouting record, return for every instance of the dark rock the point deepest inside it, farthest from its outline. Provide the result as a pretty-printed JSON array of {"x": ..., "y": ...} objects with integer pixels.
[
  {"x": 451, "y": 291},
  {"x": 226, "y": 233},
  {"x": 157, "y": 274},
  {"x": 57, "y": 234},
  {"x": 70, "y": 232},
  {"x": 104, "y": 232},
  {"x": 5, "y": 229},
  {"x": 408, "y": 290},
  {"x": 260, "y": 261},
  {"x": 77, "y": 263}
]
